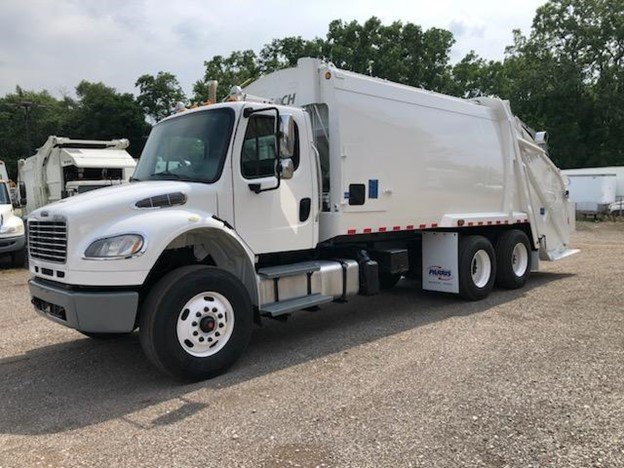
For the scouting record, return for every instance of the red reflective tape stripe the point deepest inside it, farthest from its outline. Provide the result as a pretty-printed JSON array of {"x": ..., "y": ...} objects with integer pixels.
[
  {"x": 409, "y": 227},
  {"x": 351, "y": 231},
  {"x": 422, "y": 226},
  {"x": 396, "y": 228},
  {"x": 366, "y": 230},
  {"x": 382, "y": 229},
  {"x": 506, "y": 221},
  {"x": 489, "y": 222},
  {"x": 434, "y": 225},
  {"x": 480, "y": 223},
  {"x": 498, "y": 222},
  {"x": 470, "y": 223}
]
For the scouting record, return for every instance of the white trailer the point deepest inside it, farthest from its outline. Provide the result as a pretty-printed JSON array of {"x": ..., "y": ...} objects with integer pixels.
[
  {"x": 592, "y": 193},
  {"x": 64, "y": 167},
  {"x": 615, "y": 207},
  {"x": 333, "y": 184}
]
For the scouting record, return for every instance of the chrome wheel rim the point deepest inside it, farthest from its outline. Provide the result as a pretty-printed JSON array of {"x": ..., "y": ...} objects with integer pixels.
[
  {"x": 520, "y": 259},
  {"x": 481, "y": 268},
  {"x": 205, "y": 324}
]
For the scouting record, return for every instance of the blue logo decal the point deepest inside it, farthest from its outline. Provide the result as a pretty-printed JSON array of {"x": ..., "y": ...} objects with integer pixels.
[{"x": 440, "y": 273}]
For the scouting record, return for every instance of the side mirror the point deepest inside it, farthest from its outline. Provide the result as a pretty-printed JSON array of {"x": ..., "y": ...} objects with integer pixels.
[
  {"x": 286, "y": 168},
  {"x": 287, "y": 136},
  {"x": 22, "y": 194}
]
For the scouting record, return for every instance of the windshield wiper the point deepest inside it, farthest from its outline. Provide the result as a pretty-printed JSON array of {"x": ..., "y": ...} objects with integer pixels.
[{"x": 166, "y": 173}]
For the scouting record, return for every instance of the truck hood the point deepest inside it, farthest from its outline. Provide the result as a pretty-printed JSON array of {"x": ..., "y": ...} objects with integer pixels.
[{"x": 120, "y": 200}]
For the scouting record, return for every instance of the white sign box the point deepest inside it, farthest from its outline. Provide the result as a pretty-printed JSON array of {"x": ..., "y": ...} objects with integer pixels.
[{"x": 439, "y": 254}]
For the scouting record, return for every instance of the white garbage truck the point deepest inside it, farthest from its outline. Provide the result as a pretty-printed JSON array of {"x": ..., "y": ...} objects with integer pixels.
[
  {"x": 64, "y": 167},
  {"x": 12, "y": 238},
  {"x": 311, "y": 185}
]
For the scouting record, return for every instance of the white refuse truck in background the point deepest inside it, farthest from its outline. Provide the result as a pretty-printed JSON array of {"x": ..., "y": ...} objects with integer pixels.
[
  {"x": 64, "y": 167},
  {"x": 12, "y": 238},
  {"x": 329, "y": 185}
]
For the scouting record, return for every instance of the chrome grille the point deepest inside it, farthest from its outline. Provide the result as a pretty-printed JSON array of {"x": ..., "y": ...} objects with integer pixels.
[{"x": 47, "y": 240}]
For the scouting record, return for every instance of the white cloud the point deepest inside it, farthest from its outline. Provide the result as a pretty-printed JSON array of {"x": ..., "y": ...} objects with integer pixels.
[{"x": 53, "y": 45}]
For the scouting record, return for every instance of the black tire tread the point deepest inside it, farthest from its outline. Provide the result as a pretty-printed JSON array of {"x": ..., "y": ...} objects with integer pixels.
[
  {"x": 505, "y": 244},
  {"x": 467, "y": 248},
  {"x": 150, "y": 314}
]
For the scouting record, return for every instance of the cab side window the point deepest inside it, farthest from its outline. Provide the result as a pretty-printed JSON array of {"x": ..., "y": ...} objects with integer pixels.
[
  {"x": 259, "y": 146},
  {"x": 258, "y": 158}
]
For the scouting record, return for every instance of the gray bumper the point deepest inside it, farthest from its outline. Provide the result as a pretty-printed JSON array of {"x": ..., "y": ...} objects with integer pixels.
[
  {"x": 96, "y": 312},
  {"x": 12, "y": 244}
]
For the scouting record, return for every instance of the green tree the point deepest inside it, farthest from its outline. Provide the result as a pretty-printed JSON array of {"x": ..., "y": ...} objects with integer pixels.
[
  {"x": 401, "y": 52},
  {"x": 158, "y": 94},
  {"x": 48, "y": 116},
  {"x": 103, "y": 113},
  {"x": 239, "y": 68}
]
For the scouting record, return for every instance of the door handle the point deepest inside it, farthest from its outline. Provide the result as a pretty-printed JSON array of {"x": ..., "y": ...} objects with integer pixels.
[{"x": 304, "y": 209}]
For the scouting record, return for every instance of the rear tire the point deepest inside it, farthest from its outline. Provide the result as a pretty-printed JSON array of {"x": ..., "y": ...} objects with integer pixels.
[
  {"x": 477, "y": 267},
  {"x": 513, "y": 257},
  {"x": 196, "y": 322}
]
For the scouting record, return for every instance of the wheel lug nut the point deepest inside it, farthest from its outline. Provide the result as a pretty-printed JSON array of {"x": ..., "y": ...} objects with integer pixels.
[
  {"x": 217, "y": 334},
  {"x": 198, "y": 314},
  {"x": 206, "y": 309},
  {"x": 194, "y": 324},
  {"x": 220, "y": 315},
  {"x": 209, "y": 340},
  {"x": 201, "y": 338},
  {"x": 220, "y": 325},
  {"x": 195, "y": 333},
  {"x": 214, "y": 309}
]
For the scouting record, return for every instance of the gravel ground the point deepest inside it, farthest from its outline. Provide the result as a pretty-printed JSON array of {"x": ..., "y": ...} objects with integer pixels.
[{"x": 524, "y": 378}]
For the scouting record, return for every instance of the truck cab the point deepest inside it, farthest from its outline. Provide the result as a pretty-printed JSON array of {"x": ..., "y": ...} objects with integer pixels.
[{"x": 12, "y": 239}]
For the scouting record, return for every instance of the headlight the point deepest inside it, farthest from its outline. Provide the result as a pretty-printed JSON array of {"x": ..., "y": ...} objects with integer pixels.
[
  {"x": 115, "y": 247},
  {"x": 17, "y": 229}
]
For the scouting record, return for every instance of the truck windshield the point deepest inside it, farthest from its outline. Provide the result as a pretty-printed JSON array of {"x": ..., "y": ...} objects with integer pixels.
[
  {"x": 5, "y": 199},
  {"x": 190, "y": 147}
]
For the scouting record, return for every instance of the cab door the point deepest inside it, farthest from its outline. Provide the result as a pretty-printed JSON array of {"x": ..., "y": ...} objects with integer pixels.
[{"x": 273, "y": 220}]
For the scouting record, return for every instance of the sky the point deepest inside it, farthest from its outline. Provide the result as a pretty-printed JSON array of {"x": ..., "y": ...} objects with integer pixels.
[{"x": 54, "y": 44}]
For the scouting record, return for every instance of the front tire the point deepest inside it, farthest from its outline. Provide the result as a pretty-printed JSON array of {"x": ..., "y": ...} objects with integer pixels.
[
  {"x": 477, "y": 267},
  {"x": 513, "y": 257},
  {"x": 196, "y": 322}
]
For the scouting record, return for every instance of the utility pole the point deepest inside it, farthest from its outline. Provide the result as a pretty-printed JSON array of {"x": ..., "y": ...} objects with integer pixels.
[{"x": 28, "y": 106}]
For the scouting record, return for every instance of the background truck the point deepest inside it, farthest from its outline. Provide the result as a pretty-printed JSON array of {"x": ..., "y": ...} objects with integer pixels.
[
  {"x": 597, "y": 186},
  {"x": 64, "y": 167},
  {"x": 331, "y": 185},
  {"x": 12, "y": 239},
  {"x": 592, "y": 193}
]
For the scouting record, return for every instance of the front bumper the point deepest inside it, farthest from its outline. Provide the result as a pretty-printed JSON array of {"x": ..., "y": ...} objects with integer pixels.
[
  {"x": 12, "y": 244},
  {"x": 88, "y": 311}
]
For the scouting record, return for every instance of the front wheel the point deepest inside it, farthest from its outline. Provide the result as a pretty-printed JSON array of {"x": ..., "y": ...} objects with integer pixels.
[
  {"x": 477, "y": 267},
  {"x": 196, "y": 322}
]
